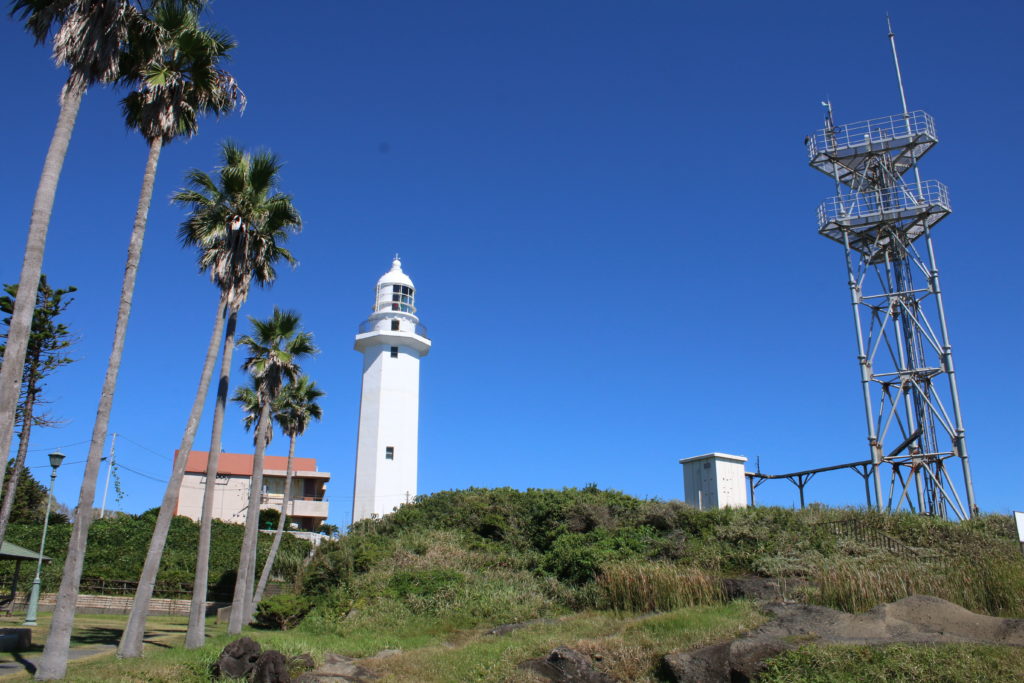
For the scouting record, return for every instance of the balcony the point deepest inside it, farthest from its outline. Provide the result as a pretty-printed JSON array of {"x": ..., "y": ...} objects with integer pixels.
[
  {"x": 299, "y": 506},
  {"x": 843, "y": 152},
  {"x": 905, "y": 209}
]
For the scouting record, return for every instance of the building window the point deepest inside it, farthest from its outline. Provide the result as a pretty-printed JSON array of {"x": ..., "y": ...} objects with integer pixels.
[
  {"x": 394, "y": 326},
  {"x": 394, "y": 352},
  {"x": 389, "y": 453}
]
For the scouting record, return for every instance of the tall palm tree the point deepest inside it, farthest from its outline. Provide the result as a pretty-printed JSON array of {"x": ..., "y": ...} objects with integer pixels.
[
  {"x": 238, "y": 222},
  {"x": 88, "y": 36},
  {"x": 176, "y": 62},
  {"x": 295, "y": 406},
  {"x": 274, "y": 349}
]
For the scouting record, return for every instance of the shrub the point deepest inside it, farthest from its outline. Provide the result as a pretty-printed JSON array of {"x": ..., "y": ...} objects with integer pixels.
[{"x": 282, "y": 612}]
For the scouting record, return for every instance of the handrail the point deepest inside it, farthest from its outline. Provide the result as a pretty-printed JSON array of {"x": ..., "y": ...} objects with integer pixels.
[{"x": 874, "y": 131}]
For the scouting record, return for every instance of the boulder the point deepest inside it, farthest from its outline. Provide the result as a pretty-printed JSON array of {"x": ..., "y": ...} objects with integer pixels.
[
  {"x": 237, "y": 658},
  {"x": 271, "y": 667},
  {"x": 565, "y": 665}
]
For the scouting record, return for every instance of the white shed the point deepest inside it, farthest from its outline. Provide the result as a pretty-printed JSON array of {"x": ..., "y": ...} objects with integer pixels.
[{"x": 714, "y": 480}]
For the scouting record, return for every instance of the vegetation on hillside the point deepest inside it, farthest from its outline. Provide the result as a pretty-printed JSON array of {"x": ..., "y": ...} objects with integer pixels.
[{"x": 117, "y": 548}]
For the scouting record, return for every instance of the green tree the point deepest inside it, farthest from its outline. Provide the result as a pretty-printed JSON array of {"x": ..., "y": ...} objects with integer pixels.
[
  {"x": 28, "y": 502},
  {"x": 46, "y": 352},
  {"x": 295, "y": 406},
  {"x": 176, "y": 63},
  {"x": 274, "y": 349},
  {"x": 87, "y": 36},
  {"x": 238, "y": 223}
]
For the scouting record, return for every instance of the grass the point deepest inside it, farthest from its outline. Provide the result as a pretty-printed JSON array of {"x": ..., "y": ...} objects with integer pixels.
[
  {"x": 657, "y": 587},
  {"x": 897, "y": 663},
  {"x": 629, "y": 647},
  {"x": 984, "y": 584}
]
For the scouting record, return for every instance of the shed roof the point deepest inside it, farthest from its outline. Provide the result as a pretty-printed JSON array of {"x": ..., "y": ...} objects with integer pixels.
[
  {"x": 240, "y": 464},
  {"x": 10, "y": 551}
]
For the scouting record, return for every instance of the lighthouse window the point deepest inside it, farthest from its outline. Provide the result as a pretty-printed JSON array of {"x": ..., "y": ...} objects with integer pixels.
[
  {"x": 389, "y": 453},
  {"x": 401, "y": 298},
  {"x": 394, "y": 352},
  {"x": 394, "y": 326}
]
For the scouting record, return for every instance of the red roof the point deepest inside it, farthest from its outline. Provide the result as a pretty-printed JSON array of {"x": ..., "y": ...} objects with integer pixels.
[{"x": 241, "y": 463}]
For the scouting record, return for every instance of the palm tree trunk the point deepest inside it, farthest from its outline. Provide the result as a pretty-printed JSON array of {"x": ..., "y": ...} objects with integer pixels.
[
  {"x": 131, "y": 638},
  {"x": 196, "y": 636},
  {"x": 32, "y": 266},
  {"x": 242, "y": 604},
  {"x": 54, "y": 662},
  {"x": 272, "y": 555},
  {"x": 19, "y": 460}
]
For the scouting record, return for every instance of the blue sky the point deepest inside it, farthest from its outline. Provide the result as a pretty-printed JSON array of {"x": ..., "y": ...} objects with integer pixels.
[{"x": 606, "y": 209}]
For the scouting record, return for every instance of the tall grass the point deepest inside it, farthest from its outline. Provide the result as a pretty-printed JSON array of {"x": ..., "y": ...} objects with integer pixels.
[
  {"x": 991, "y": 585},
  {"x": 657, "y": 587}
]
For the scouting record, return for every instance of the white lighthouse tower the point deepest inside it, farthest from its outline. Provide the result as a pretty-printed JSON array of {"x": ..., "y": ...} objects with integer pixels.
[{"x": 392, "y": 342}]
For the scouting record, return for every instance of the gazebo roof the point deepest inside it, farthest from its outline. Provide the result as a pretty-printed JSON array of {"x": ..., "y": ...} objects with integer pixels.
[{"x": 9, "y": 551}]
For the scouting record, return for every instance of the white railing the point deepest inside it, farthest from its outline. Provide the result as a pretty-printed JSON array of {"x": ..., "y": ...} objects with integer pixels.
[
  {"x": 857, "y": 205},
  {"x": 875, "y": 131}
]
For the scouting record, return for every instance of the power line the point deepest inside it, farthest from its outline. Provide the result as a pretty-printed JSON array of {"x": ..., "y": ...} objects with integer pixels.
[
  {"x": 141, "y": 474},
  {"x": 145, "y": 448}
]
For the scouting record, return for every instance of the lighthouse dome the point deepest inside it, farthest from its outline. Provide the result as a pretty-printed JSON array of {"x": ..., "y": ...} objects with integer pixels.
[{"x": 395, "y": 276}]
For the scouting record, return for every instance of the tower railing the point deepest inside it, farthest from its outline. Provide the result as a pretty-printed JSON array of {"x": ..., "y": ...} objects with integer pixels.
[
  {"x": 886, "y": 131},
  {"x": 902, "y": 200}
]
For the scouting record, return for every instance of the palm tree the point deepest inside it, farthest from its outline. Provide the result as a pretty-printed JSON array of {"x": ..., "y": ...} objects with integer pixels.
[
  {"x": 88, "y": 36},
  {"x": 238, "y": 223},
  {"x": 295, "y": 406},
  {"x": 176, "y": 62},
  {"x": 274, "y": 349}
]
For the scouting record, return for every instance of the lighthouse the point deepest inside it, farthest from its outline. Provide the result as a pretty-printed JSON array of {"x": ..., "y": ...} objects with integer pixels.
[{"x": 392, "y": 342}]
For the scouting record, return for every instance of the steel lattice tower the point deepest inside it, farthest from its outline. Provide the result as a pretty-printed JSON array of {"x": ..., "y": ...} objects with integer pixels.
[{"x": 883, "y": 215}]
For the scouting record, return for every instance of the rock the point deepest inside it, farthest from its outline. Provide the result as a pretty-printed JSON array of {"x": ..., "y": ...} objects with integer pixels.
[
  {"x": 763, "y": 589},
  {"x": 387, "y": 653},
  {"x": 271, "y": 667},
  {"x": 237, "y": 658},
  {"x": 747, "y": 656},
  {"x": 565, "y": 665},
  {"x": 509, "y": 628},
  {"x": 300, "y": 663},
  {"x": 338, "y": 668},
  {"x": 708, "y": 665}
]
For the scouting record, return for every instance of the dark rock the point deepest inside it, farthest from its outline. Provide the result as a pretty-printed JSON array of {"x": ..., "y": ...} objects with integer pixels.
[
  {"x": 565, "y": 665},
  {"x": 708, "y": 665},
  {"x": 271, "y": 667},
  {"x": 747, "y": 656},
  {"x": 237, "y": 658},
  {"x": 763, "y": 588}
]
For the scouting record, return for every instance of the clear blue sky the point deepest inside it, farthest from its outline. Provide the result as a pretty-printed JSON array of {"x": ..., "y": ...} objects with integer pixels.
[{"x": 606, "y": 209}]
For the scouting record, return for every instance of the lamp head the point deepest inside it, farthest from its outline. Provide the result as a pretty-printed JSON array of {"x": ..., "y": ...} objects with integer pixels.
[{"x": 56, "y": 458}]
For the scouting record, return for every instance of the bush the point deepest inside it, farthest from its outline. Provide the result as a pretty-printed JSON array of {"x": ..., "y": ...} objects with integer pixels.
[{"x": 282, "y": 612}]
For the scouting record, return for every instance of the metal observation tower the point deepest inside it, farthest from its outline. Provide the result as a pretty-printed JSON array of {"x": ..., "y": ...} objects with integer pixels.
[{"x": 883, "y": 214}]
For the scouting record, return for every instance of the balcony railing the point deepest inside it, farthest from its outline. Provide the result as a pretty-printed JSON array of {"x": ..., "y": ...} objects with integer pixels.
[
  {"x": 904, "y": 201},
  {"x": 894, "y": 131}
]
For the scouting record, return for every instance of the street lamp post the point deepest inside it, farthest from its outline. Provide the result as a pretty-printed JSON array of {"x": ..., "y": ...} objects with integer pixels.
[{"x": 33, "y": 599}]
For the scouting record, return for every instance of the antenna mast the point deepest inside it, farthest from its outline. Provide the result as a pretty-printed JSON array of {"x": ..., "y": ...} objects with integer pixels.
[{"x": 894, "y": 290}]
